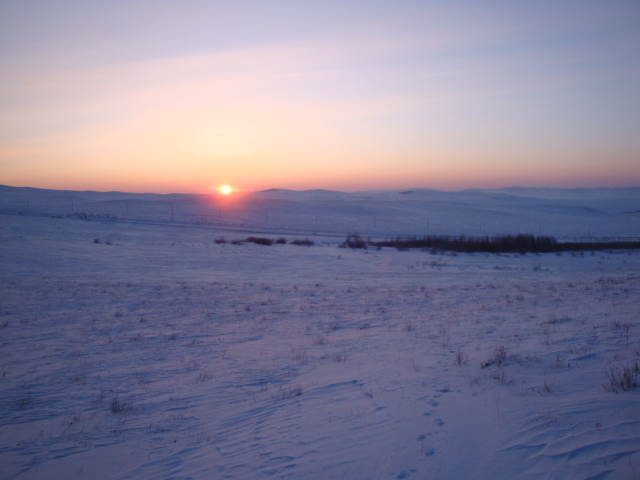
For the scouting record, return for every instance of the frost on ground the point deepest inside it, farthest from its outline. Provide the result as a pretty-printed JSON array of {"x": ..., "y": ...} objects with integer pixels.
[{"x": 161, "y": 354}]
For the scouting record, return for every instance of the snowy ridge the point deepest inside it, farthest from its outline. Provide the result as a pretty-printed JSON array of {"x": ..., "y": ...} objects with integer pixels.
[{"x": 576, "y": 213}]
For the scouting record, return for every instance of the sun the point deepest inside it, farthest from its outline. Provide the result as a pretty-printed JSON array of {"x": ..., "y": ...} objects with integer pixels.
[{"x": 225, "y": 189}]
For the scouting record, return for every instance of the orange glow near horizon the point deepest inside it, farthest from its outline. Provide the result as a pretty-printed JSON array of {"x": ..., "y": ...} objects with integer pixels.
[{"x": 272, "y": 102}]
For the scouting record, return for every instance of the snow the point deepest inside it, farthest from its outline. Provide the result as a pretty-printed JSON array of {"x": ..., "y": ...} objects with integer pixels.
[
  {"x": 576, "y": 213},
  {"x": 159, "y": 353}
]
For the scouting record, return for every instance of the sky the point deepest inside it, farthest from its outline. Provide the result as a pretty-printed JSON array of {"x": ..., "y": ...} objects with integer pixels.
[{"x": 184, "y": 96}]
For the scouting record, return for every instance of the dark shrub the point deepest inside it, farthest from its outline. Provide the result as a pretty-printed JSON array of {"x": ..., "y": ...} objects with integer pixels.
[
  {"x": 500, "y": 244},
  {"x": 260, "y": 240},
  {"x": 306, "y": 242},
  {"x": 354, "y": 240}
]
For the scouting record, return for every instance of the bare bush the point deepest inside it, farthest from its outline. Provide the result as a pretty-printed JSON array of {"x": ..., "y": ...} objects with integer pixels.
[
  {"x": 503, "y": 377},
  {"x": 304, "y": 242},
  {"x": 320, "y": 340},
  {"x": 408, "y": 327},
  {"x": 621, "y": 378},
  {"x": 354, "y": 240},
  {"x": 498, "y": 358},
  {"x": 461, "y": 357},
  {"x": 339, "y": 358},
  {"x": 118, "y": 406},
  {"x": 204, "y": 376},
  {"x": 260, "y": 240},
  {"x": 547, "y": 386}
]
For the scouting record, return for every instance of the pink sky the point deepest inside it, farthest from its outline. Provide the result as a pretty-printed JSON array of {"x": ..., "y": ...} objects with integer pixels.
[{"x": 186, "y": 96}]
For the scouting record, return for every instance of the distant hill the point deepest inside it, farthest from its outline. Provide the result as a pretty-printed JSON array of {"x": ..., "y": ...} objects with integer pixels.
[{"x": 601, "y": 212}]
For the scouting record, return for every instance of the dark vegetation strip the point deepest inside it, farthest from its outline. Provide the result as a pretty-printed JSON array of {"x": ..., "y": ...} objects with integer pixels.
[
  {"x": 267, "y": 241},
  {"x": 499, "y": 244}
]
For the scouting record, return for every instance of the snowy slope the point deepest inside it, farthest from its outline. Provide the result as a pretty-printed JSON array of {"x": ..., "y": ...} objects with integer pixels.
[
  {"x": 158, "y": 353},
  {"x": 562, "y": 213}
]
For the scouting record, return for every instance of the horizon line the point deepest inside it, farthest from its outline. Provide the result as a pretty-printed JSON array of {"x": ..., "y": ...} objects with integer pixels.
[{"x": 306, "y": 190}]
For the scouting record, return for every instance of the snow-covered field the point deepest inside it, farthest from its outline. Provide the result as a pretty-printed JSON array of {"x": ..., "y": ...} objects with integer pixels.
[{"x": 158, "y": 353}]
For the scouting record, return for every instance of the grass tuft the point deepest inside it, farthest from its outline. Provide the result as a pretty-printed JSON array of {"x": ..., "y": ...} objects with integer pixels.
[
  {"x": 498, "y": 358},
  {"x": 118, "y": 406},
  {"x": 461, "y": 357},
  {"x": 621, "y": 378}
]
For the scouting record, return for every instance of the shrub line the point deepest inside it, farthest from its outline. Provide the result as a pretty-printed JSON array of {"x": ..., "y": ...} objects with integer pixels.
[{"x": 521, "y": 243}]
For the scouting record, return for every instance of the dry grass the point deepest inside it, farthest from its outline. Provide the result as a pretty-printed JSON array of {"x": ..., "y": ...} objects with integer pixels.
[{"x": 621, "y": 378}]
